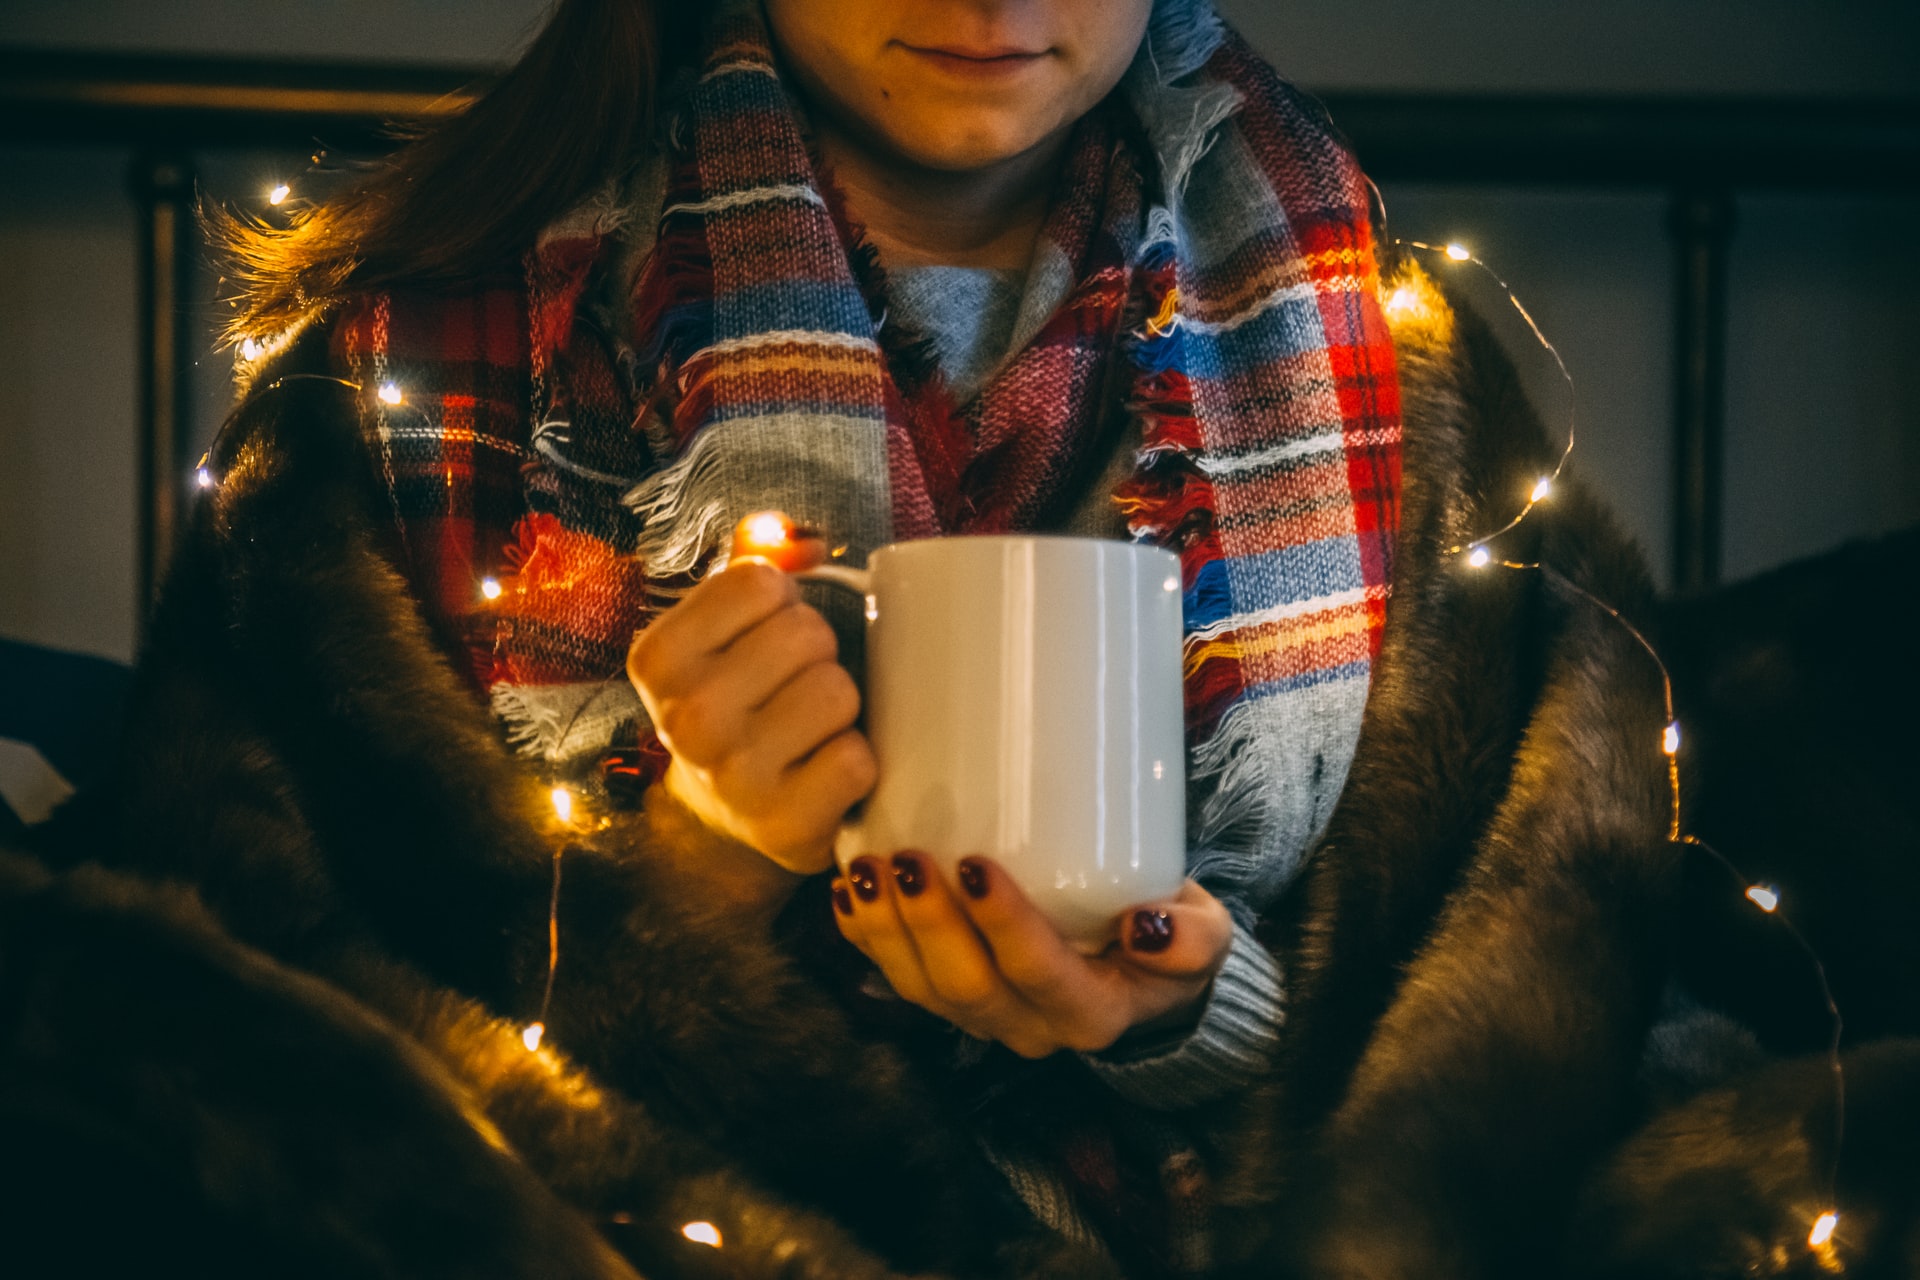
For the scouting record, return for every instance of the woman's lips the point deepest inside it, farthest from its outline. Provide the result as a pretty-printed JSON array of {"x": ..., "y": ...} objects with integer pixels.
[{"x": 983, "y": 64}]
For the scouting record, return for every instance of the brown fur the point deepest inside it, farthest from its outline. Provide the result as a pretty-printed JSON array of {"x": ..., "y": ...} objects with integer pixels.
[{"x": 320, "y": 818}]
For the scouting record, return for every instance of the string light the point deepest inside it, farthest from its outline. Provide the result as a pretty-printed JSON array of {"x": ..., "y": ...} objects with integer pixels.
[
  {"x": 702, "y": 1233},
  {"x": 490, "y": 588},
  {"x": 1765, "y": 897},
  {"x": 279, "y": 194},
  {"x": 562, "y": 801},
  {"x": 250, "y": 349},
  {"x": 203, "y": 476},
  {"x": 1402, "y": 300},
  {"x": 390, "y": 394}
]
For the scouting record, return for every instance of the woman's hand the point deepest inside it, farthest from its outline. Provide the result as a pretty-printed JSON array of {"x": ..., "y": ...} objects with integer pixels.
[
  {"x": 984, "y": 958},
  {"x": 741, "y": 682}
]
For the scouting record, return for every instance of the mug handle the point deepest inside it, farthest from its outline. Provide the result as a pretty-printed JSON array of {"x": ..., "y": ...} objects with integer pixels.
[
  {"x": 851, "y": 842},
  {"x": 838, "y": 575}
]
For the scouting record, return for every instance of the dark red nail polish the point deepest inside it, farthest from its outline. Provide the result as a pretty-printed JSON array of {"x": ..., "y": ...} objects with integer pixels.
[
  {"x": 842, "y": 900},
  {"x": 973, "y": 878},
  {"x": 909, "y": 874},
  {"x": 1152, "y": 931},
  {"x": 864, "y": 875}
]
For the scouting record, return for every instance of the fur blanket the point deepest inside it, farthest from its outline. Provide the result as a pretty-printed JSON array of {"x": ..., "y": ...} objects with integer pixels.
[{"x": 262, "y": 1013}]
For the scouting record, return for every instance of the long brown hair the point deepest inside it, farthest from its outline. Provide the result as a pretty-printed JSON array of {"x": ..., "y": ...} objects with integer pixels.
[{"x": 474, "y": 189}]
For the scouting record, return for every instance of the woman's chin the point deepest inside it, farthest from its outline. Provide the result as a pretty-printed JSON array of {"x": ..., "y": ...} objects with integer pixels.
[{"x": 974, "y": 150}]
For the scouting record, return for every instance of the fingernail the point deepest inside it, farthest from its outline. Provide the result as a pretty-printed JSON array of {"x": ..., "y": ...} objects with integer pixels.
[
  {"x": 864, "y": 875},
  {"x": 842, "y": 900},
  {"x": 973, "y": 877},
  {"x": 909, "y": 874},
  {"x": 1152, "y": 931}
]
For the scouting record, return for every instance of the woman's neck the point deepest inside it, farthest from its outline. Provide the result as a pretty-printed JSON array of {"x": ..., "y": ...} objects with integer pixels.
[{"x": 930, "y": 217}]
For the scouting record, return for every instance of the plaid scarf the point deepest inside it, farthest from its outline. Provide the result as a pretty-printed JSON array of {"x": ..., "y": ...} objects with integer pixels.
[
  {"x": 593, "y": 477},
  {"x": 572, "y": 442}
]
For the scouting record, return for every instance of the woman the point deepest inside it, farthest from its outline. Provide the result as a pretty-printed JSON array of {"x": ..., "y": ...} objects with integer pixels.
[{"x": 902, "y": 270}]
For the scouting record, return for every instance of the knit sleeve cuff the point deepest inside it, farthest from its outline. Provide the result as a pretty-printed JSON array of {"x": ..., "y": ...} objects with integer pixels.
[{"x": 1224, "y": 1052}]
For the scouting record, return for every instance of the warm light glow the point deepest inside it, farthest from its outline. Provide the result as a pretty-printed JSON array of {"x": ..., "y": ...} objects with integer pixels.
[
  {"x": 1670, "y": 739},
  {"x": 1479, "y": 558},
  {"x": 390, "y": 394},
  {"x": 702, "y": 1233},
  {"x": 1823, "y": 1228},
  {"x": 1402, "y": 300},
  {"x": 531, "y": 1036},
  {"x": 1764, "y": 896},
  {"x": 768, "y": 529},
  {"x": 562, "y": 803},
  {"x": 490, "y": 588},
  {"x": 204, "y": 478},
  {"x": 250, "y": 349},
  {"x": 1541, "y": 489},
  {"x": 1458, "y": 252},
  {"x": 279, "y": 194}
]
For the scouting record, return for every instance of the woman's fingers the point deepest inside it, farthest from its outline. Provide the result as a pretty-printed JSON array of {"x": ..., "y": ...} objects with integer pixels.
[
  {"x": 1086, "y": 1003},
  {"x": 908, "y": 923},
  {"x": 980, "y": 955},
  {"x": 802, "y": 809},
  {"x": 1185, "y": 938},
  {"x": 673, "y": 652}
]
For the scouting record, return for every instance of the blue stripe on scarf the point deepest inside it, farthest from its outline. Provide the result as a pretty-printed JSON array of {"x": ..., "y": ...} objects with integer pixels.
[{"x": 766, "y": 306}]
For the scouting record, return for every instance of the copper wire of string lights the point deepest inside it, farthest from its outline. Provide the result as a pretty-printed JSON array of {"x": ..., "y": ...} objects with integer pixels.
[{"x": 1766, "y": 897}]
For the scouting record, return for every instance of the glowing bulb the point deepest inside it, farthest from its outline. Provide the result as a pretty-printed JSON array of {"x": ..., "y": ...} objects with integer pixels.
[
  {"x": 1402, "y": 300},
  {"x": 1823, "y": 1228},
  {"x": 768, "y": 529},
  {"x": 562, "y": 803},
  {"x": 490, "y": 588},
  {"x": 531, "y": 1036},
  {"x": 1458, "y": 252},
  {"x": 1670, "y": 739},
  {"x": 251, "y": 349},
  {"x": 204, "y": 478},
  {"x": 279, "y": 194},
  {"x": 1479, "y": 558},
  {"x": 1541, "y": 489},
  {"x": 390, "y": 394},
  {"x": 702, "y": 1233},
  {"x": 1764, "y": 896}
]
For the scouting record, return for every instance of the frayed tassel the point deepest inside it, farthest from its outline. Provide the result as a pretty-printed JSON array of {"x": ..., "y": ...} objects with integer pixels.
[
  {"x": 564, "y": 726},
  {"x": 1181, "y": 36},
  {"x": 1180, "y": 121},
  {"x": 1260, "y": 808},
  {"x": 679, "y": 536}
]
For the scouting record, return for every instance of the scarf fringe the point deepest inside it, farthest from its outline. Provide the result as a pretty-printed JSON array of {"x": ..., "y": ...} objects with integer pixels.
[
  {"x": 561, "y": 725},
  {"x": 679, "y": 534}
]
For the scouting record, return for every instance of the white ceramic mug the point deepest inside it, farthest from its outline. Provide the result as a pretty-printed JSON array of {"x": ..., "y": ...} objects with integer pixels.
[{"x": 1024, "y": 704}]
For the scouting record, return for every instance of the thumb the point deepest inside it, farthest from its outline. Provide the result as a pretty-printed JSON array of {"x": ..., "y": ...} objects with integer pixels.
[{"x": 1187, "y": 937}]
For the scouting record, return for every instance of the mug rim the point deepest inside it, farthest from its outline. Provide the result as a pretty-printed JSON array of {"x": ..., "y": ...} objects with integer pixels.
[{"x": 991, "y": 539}]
